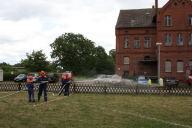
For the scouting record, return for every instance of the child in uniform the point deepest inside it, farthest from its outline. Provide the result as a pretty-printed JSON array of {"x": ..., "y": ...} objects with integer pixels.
[{"x": 30, "y": 88}]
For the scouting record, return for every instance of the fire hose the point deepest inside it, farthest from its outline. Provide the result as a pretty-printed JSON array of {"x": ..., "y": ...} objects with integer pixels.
[{"x": 61, "y": 89}]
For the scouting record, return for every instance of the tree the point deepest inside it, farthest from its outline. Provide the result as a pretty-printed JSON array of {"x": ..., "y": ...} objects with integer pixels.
[
  {"x": 18, "y": 65},
  {"x": 112, "y": 54},
  {"x": 73, "y": 52},
  {"x": 4, "y": 64},
  {"x": 36, "y": 62}
]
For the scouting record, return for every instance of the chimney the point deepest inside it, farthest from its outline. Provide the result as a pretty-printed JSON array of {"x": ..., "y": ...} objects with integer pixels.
[{"x": 156, "y": 6}]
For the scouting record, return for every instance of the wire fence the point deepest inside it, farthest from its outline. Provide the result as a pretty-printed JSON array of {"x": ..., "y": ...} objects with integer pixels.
[{"x": 103, "y": 88}]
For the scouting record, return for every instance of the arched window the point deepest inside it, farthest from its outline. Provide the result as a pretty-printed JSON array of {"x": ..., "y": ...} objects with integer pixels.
[
  {"x": 147, "y": 58},
  {"x": 126, "y": 60},
  {"x": 167, "y": 66},
  {"x": 179, "y": 66}
]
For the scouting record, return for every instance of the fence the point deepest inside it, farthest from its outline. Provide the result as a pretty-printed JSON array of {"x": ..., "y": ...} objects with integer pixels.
[{"x": 103, "y": 88}]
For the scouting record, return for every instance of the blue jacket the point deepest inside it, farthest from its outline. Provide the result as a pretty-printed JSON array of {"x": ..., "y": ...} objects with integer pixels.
[
  {"x": 30, "y": 84},
  {"x": 64, "y": 81},
  {"x": 42, "y": 78}
]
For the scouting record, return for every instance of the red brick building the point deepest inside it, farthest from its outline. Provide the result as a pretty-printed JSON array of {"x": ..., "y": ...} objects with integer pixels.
[{"x": 137, "y": 32}]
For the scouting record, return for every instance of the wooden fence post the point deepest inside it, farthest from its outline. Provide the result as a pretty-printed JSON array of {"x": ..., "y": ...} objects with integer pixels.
[{"x": 19, "y": 86}]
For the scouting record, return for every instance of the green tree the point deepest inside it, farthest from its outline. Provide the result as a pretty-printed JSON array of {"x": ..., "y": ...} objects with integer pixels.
[
  {"x": 73, "y": 52},
  {"x": 36, "y": 62},
  {"x": 112, "y": 54},
  {"x": 18, "y": 65}
]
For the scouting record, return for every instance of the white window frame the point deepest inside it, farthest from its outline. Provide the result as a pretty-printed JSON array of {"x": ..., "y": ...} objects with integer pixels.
[
  {"x": 167, "y": 66},
  {"x": 190, "y": 39},
  {"x": 136, "y": 42},
  {"x": 167, "y": 20},
  {"x": 179, "y": 66},
  {"x": 147, "y": 43},
  {"x": 179, "y": 39},
  {"x": 167, "y": 39},
  {"x": 190, "y": 19},
  {"x": 126, "y": 60},
  {"x": 126, "y": 42}
]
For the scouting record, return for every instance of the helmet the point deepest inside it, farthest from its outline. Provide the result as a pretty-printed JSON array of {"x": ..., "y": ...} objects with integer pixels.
[
  {"x": 42, "y": 72},
  {"x": 66, "y": 74},
  {"x": 30, "y": 77}
]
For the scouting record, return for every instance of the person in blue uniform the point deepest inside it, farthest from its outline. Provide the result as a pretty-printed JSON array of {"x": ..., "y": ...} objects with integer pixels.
[
  {"x": 43, "y": 85},
  {"x": 66, "y": 81},
  {"x": 30, "y": 86}
]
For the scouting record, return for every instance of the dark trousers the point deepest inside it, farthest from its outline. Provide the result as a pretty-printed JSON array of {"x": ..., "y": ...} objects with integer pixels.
[
  {"x": 31, "y": 93},
  {"x": 66, "y": 89},
  {"x": 41, "y": 88}
]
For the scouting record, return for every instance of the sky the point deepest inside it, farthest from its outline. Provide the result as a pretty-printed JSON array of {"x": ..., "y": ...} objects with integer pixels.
[{"x": 27, "y": 25}]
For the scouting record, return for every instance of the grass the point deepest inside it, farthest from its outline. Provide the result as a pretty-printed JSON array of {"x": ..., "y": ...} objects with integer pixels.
[{"x": 96, "y": 110}]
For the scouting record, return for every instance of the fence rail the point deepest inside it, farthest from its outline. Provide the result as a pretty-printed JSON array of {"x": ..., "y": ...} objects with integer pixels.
[{"x": 103, "y": 88}]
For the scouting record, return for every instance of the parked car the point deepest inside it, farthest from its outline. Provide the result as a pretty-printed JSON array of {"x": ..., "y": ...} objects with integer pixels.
[
  {"x": 142, "y": 81},
  {"x": 52, "y": 77},
  {"x": 116, "y": 80},
  {"x": 21, "y": 78},
  {"x": 170, "y": 80},
  {"x": 102, "y": 79},
  {"x": 34, "y": 75}
]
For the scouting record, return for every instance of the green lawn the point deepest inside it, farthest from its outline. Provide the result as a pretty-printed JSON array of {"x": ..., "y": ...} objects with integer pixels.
[{"x": 96, "y": 110}]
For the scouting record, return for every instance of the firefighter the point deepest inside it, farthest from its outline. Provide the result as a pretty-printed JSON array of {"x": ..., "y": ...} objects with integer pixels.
[
  {"x": 66, "y": 81},
  {"x": 43, "y": 85},
  {"x": 30, "y": 89}
]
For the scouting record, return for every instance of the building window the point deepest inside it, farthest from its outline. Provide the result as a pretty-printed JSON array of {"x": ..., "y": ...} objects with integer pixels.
[
  {"x": 126, "y": 60},
  {"x": 147, "y": 42},
  {"x": 190, "y": 63},
  {"x": 147, "y": 58},
  {"x": 190, "y": 39},
  {"x": 167, "y": 20},
  {"x": 126, "y": 42},
  {"x": 190, "y": 19},
  {"x": 179, "y": 66},
  {"x": 167, "y": 66},
  {"x": 136, "y": 42},
  {"x": 179, "y": 39},
  {"x": 126, "y": 73},
  {"x": 126, "y": 32},
  {"x": 147, "y": 31},
  {"x": 167, "y": 39}
]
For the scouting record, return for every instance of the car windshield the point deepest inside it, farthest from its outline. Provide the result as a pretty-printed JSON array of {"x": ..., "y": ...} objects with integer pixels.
[
  {"x": 21, "y": 75},
  {"x": 31, "y": 75},
  {"x": 142, "y": 78},
  {"x": 108, "y": 76},
  {"x": 100, "y": 76},
  {"x": 116, "y": 77}
]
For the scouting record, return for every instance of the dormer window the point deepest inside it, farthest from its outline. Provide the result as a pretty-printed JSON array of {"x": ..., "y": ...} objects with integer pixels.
[
  {"x": 167, "y": 20},
  {"x": 190, "y": 19}
]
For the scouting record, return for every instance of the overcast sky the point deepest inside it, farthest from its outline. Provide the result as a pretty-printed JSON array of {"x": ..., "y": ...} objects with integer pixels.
[{"x": 27, "y": 25}]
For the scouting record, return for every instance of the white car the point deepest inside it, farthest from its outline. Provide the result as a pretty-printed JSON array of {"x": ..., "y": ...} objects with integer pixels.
[
  {"x": 34, "y": 75},
  {"x": 102, "y": 79}
]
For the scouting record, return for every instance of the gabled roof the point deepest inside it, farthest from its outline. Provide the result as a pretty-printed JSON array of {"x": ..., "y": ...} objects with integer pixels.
[{"x": 136, "y": 18}]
